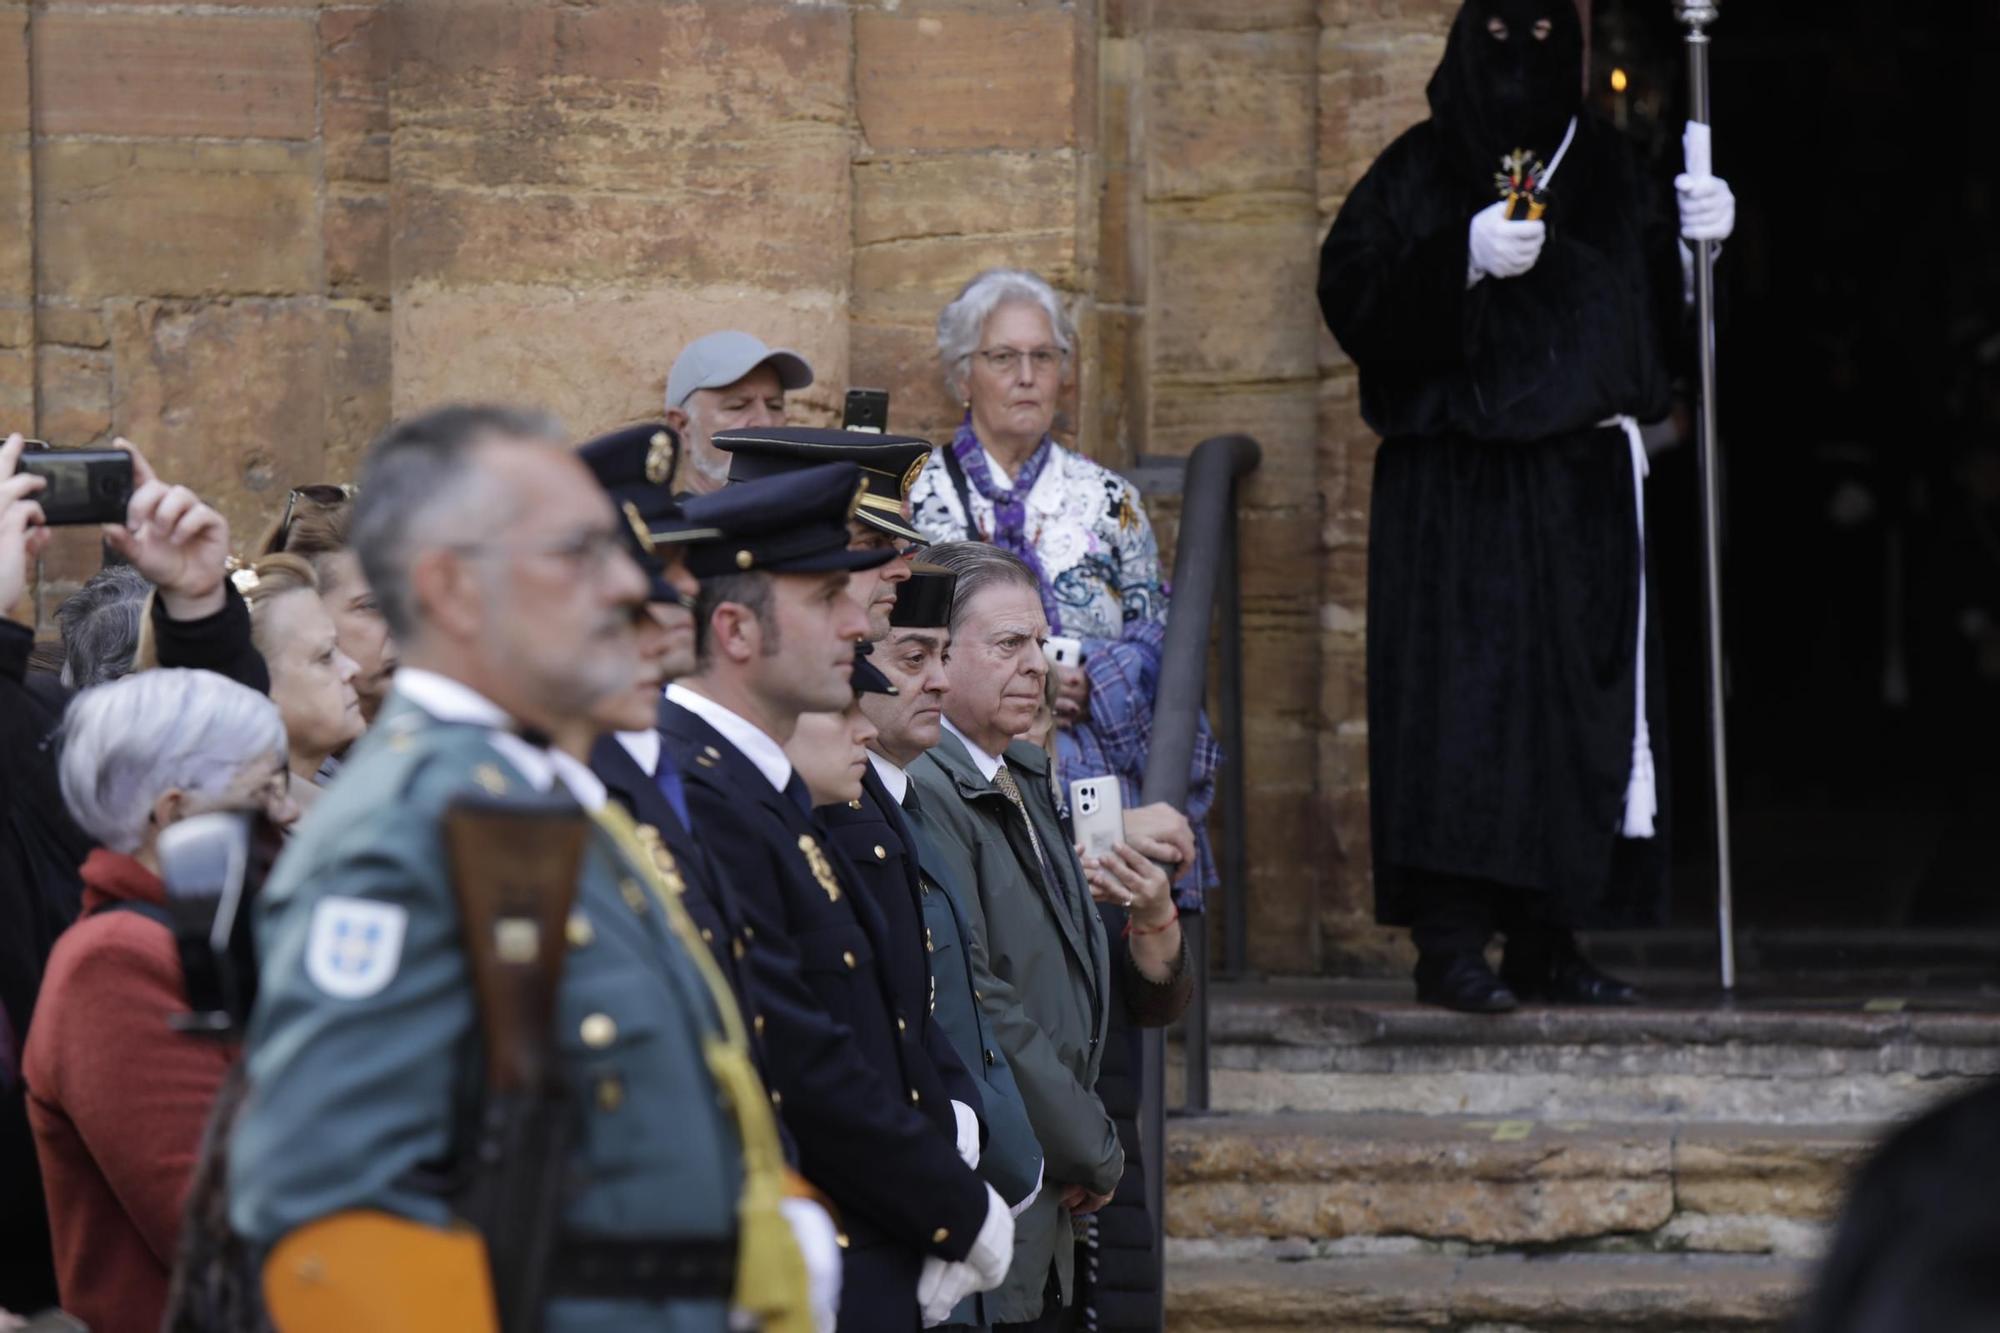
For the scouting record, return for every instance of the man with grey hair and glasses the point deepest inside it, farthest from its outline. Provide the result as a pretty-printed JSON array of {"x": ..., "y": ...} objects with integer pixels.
[
  {"x": 1046, "y": 972},
  {"x": 500, "y": 566},
  {"x": 726, "y": 381}
]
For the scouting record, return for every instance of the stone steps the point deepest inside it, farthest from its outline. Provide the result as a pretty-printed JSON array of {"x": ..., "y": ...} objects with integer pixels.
[
  {"x": 1485, "y": 1294},
  {"x": 1365, "y": 1048},
  {"x": 1317, "y": 1185}
]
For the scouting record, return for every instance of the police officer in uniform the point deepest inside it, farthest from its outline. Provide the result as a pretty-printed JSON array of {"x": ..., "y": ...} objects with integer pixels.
[
  {"x": 870, "y": 828},
  {"x": 499, "y": 565},
  {"x": 776, "y": 627}
]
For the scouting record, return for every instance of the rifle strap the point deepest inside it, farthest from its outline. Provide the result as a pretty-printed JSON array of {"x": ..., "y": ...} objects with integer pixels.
[{"x": 770, "y": 1271}]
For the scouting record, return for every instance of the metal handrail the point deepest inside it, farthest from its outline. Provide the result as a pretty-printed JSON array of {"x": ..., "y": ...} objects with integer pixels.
[{"x": 1204, "y": 577}]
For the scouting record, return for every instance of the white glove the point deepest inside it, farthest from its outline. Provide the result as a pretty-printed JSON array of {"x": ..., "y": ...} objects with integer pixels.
[
  {"x": 941, "y": 1286},
  {"x": 1708, "y": 208},
  {"x": 1496, "y": 247},
  {"x": 819, "y": 1243},
  {"x": 968, "y": 1133}
]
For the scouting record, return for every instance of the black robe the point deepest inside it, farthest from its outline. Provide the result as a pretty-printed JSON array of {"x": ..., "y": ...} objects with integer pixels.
[{"x": 1503, "y": 588}]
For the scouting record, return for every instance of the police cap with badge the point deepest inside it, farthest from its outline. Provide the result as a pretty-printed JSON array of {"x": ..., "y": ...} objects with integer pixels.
[
  {"x": 794, "y": 523},
  {"x": 636, "y": 466},
  {"x": 889, "y": 465}
]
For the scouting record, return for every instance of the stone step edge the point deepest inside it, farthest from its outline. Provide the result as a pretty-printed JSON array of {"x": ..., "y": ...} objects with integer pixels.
[
  {"x": 1441, "y": 1291},
  {"x": 1320, "y": 1179},
  {"x": 1310, "y": 1021}
]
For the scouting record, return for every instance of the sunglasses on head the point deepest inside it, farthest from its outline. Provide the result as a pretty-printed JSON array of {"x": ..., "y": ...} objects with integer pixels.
[{"x": 324, "y": 494}]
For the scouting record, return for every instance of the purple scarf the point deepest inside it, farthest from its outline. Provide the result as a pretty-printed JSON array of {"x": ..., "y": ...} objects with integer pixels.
[{"x": 1010, "y": 506}]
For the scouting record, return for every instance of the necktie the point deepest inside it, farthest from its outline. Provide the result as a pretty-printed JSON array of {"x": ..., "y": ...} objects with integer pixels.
[
  {"x": 1003, "y": 780},
  {"x": 668, "y": 779},
  {"x": 795, "y": 788}
]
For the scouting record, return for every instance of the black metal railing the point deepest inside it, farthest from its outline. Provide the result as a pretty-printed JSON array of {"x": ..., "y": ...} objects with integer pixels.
[{"x": 1205, "y": 586}]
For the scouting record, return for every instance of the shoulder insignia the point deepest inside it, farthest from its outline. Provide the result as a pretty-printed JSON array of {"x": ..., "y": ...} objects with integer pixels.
[
  {"x": 663, "y": 860},
  {"x": 491, "y": 778},
  {"x": 354, "y": 946},
  {"x": 821, "y": 867}
]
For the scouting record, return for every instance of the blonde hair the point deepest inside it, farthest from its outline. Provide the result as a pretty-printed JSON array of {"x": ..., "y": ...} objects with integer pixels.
[{"x": 261, "y": 583}]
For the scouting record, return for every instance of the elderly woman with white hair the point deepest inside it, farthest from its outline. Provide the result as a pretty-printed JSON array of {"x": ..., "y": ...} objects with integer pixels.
[
  {"x": 1007, "y": 347},
  {"x": 116, "y": 1097}
]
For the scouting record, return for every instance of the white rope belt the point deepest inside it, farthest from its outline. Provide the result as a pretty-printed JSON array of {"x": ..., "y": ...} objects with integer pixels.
[{"x": 1642, "y": 799}]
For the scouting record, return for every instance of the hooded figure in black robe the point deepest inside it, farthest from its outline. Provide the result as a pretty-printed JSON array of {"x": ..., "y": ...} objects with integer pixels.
[{"x": 1512, "y": 785}]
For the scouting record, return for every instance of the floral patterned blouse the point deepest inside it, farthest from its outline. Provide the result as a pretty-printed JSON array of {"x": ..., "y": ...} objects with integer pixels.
[{"x": 1090, "y": 532}]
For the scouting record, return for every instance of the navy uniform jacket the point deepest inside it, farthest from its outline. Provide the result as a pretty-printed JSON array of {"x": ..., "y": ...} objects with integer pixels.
[
  {"x": 709, "y": 901},
  {"x": 843, "y": 1061},
  {"x": 361, "y": 1067},
  {"x": 876, "y": 841}
]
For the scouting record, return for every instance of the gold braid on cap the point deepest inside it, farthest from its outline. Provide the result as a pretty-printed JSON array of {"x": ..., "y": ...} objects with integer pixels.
[{"x": 639, "y": 528}]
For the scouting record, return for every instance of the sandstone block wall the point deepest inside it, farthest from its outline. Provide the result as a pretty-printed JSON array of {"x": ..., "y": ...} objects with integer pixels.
[{"x": 246, "y": 232}]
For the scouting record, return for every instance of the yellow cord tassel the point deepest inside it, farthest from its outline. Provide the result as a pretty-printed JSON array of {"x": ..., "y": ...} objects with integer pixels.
[{"x": 770, "y": 1272}]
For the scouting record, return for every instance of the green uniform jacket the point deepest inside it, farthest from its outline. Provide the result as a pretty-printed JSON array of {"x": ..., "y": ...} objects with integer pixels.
[
  {"x": 1042, "y": 968},
  {"x": 354, "y": 1095}
]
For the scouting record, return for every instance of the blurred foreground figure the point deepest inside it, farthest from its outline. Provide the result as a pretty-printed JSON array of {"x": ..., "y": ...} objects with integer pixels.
[
  {"x": 1914, "y": 1252},
  {"x": 626, "y": 1176},
  {"x": 1507, "y": 278}
]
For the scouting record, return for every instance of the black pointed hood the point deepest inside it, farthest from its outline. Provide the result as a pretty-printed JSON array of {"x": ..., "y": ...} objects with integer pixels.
[{"x": 1492, "y": 95}]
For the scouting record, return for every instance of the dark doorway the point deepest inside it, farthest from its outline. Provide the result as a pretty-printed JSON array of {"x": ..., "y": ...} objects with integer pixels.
[{"x": 1860, "y": 407}]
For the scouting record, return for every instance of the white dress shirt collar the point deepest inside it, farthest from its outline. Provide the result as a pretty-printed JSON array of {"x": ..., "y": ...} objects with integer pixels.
[
  {"x": 450, "y": 700},
  {"x": 893, "y": 778},
  {"x": 644, "y": 747},
  {"x": 987, "y": 764},
  {"x": 756, "y": 744}
]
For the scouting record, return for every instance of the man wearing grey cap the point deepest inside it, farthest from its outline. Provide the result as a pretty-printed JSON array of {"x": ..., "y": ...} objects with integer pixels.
[{"x": 726, "y": 381}]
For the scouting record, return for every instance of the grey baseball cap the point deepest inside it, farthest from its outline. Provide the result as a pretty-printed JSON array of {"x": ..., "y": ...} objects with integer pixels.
[{"x": 718, "y": 359}]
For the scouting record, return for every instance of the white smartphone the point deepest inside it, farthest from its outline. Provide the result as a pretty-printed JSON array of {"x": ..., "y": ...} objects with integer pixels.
[
  {"x": 1098, "y": 808},
  {"x": 1064, "y": 651}
]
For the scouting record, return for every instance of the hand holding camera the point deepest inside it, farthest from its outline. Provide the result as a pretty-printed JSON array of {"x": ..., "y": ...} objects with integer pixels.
[
  {"x": 176, "y": 541},
  {"x": 23, "y": 527}
]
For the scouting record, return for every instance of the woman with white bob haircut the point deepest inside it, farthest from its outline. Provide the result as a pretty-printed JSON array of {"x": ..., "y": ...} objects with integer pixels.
[
  {"x": 1007, "y": 346},
  {"x": 116, "y": 1097}
]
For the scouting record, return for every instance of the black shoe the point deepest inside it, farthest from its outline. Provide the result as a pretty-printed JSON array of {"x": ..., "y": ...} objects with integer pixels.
[
  {"x": 1464, "y": 982},
  {"x": 1570, "y": 979}
]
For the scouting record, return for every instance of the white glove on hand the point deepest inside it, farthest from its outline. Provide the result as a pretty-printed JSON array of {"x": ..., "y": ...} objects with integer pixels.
[
  {"x": 1496, "y": 247},
  {"x": 941, "y": 1286},
  {"x": 993, "y": 1250},
  {"x": 968, "y": 1133},
  {"x": 1708, "y": 208},
  {"x": 819, "y": 1243}
]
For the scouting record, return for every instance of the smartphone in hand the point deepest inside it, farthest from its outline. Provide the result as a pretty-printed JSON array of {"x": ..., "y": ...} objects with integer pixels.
[
  {"x": 1097, "y": 805},
  {"x": 867, "y": 409}
]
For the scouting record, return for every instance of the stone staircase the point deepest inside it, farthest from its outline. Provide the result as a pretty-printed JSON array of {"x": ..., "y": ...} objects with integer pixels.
[{"x": 1373, "y": 1164}]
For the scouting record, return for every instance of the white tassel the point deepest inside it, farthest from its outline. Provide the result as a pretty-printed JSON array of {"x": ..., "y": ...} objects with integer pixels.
[{"x": 1642, "y": 797}]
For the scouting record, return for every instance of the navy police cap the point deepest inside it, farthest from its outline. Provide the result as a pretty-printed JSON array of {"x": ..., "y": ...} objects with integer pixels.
[
  {"x": 790, "y": 524},
  {"x": 637, "y": 465},
  {"x": 889, "y": 464}
]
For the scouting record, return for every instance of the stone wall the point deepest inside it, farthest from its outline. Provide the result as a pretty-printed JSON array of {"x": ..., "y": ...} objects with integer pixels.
[{"x": 244, "y": 232}]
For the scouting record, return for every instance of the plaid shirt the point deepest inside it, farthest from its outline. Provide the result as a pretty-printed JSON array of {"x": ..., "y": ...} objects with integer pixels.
[{"x": 1115, "y": 736}]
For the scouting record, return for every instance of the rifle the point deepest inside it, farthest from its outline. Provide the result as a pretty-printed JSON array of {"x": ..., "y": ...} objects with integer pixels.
[{"x": 514, "y": 867}]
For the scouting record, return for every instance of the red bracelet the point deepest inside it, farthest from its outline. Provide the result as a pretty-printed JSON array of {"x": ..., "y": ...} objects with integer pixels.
[{"x": 1131, "y": 930}]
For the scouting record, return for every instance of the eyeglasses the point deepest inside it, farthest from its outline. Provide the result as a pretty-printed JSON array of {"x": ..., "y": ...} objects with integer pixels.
[
  {"x": 324, "y": 494},
  {"x": 1006, "y": 360},
  {"x": 587, "y": 552}
]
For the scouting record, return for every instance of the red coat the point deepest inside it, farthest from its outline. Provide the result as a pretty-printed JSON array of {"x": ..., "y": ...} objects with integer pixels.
[{"x": 118, "y": 1101}]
